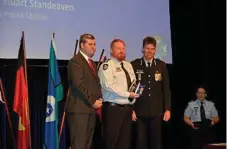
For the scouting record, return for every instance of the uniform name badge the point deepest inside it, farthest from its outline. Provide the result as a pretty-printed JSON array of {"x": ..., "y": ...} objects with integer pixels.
[
  {"x": 158, "y": 76},
  {"x": 196, "y": 110}
]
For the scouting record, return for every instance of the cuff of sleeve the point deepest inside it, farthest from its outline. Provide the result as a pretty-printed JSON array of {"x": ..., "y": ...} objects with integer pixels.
[
  {"x": 168, "y": 109},
  {"x": 127, "y": 94}
]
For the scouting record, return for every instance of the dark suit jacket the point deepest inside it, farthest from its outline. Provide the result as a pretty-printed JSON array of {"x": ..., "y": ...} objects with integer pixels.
[
  {"x": 84, "y": 87},
  {"x": 155, "y": 98}
]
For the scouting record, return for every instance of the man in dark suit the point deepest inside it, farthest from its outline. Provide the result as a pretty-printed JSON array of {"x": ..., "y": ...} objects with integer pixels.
[
  {"x": 154, "y": 103},
  {"x": 84, "y": 94}
]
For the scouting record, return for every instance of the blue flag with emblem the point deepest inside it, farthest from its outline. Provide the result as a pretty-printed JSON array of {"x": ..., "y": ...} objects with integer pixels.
[{"x": 55, "y": 94}]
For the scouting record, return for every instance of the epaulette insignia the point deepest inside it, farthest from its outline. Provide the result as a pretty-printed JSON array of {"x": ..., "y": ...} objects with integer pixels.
[{"x": 105, "y": 66}]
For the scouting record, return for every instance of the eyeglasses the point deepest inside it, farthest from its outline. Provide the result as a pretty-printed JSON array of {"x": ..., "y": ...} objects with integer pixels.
[{"x": 201, "y": 93}]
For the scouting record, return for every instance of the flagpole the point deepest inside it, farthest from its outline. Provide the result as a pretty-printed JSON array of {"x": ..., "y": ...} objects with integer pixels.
[
  {"x": 7, "y": 112},
  {"x": 26, "y": 80},
  {"x": 104, "y": 59},
  {"x": 63, "y": 117},
  {"x": 62, "y": 122},
  {"x": 25, "y": 63},
  {"x": 66, "y": 102},
  {"x": 100, "y": 58},
  {"x": 76, "y": 45}
]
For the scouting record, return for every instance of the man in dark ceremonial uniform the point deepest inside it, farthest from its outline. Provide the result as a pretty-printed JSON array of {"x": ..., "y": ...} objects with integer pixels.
[{"x": 153, "y": 105}]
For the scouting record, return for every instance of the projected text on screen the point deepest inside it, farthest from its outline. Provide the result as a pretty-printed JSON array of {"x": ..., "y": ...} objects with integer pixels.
[{"x": 130, "y": 20}]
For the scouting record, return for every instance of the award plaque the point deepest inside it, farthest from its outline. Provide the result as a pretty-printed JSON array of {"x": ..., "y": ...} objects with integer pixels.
[{"x": 136, "y": 87}]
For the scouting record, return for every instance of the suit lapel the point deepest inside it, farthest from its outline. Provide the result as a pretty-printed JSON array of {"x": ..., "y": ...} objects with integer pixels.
[{"x": 87, "y": 66}]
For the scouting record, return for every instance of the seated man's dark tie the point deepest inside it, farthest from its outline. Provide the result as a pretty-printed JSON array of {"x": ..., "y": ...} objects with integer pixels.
[
  {"x": 202, "y": 112},
  {"x": 127, "y": 77}
]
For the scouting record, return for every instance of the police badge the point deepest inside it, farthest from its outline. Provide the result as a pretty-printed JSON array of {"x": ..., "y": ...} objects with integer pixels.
[
  {"x": 196, "y": 110},
  {"x": 105, "y": 66},
  {"x": 158, "y": 76}
]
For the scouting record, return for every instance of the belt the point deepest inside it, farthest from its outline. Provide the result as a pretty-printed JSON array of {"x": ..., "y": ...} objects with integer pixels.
[
  {"x": 205, "y": 123},
  {"x": 115, "y": 104}
]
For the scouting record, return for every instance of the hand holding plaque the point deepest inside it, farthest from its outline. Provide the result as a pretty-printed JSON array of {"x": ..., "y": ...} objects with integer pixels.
[
  {"x": 136, "y": 87},
  {"x": 140, "y": 87}
]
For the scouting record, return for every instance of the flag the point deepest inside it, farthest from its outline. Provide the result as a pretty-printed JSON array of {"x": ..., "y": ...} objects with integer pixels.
[
  {"x": 104, "y": 59},
  {"x": 1, "y": 100},
  {"x": 55, "y": 94},
  {"x": 2, "y": 123},
  {"x": 21, "y": 105}
]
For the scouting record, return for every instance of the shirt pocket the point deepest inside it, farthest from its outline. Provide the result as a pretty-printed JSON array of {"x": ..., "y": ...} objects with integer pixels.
[
  {"x": 208, "y": 112},
  {"x": 119, "y": 77},
  {"x": 196, "y": 114}
]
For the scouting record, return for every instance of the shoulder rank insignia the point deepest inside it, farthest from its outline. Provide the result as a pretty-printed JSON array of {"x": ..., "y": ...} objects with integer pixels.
[
  {"x": 107, "y": 60},
  {"x": 105, "y": 66}
]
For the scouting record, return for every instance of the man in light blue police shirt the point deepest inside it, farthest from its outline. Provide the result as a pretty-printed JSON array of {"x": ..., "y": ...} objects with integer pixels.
[
  {"x": 200, "y": 115},
  {"x": 116, "y": 76}
]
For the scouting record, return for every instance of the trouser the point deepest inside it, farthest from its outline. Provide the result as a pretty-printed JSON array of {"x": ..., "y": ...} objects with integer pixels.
[
  {"x": 81, "y": 128},
  {"x": 117, "y": 122},
  {"x": 200, "y": 137},
  {"x": 148, "y": 133}
]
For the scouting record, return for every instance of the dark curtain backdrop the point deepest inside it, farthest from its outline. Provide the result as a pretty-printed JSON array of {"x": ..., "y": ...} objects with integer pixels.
[
  {"x": 198, "y": 43},
  {"x": 199, "y": 57}
]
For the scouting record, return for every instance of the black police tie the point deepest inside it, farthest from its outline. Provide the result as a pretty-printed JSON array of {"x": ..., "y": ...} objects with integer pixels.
[
  {"x": 126, "y": 74},
  {"x": 202, "y": 112},
  {"x": 149, "y": 64}
]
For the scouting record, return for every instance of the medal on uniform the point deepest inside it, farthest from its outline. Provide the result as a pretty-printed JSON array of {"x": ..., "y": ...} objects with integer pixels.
[
  {"x": 139, "y": 72},
  {"x": 139, "y": 87},
  {"x": 158, "y": 76}
]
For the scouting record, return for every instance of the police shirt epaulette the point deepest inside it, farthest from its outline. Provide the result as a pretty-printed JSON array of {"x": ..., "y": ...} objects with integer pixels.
[
  {"x": 191, "y": 101},
  {"x": 210, "y": 101},
  {"x": 127, "y": 61},
  {"x": 105, "y": 64},
  {"x": 107, "y": 60},
  {"x": 160, "y": 61}
]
